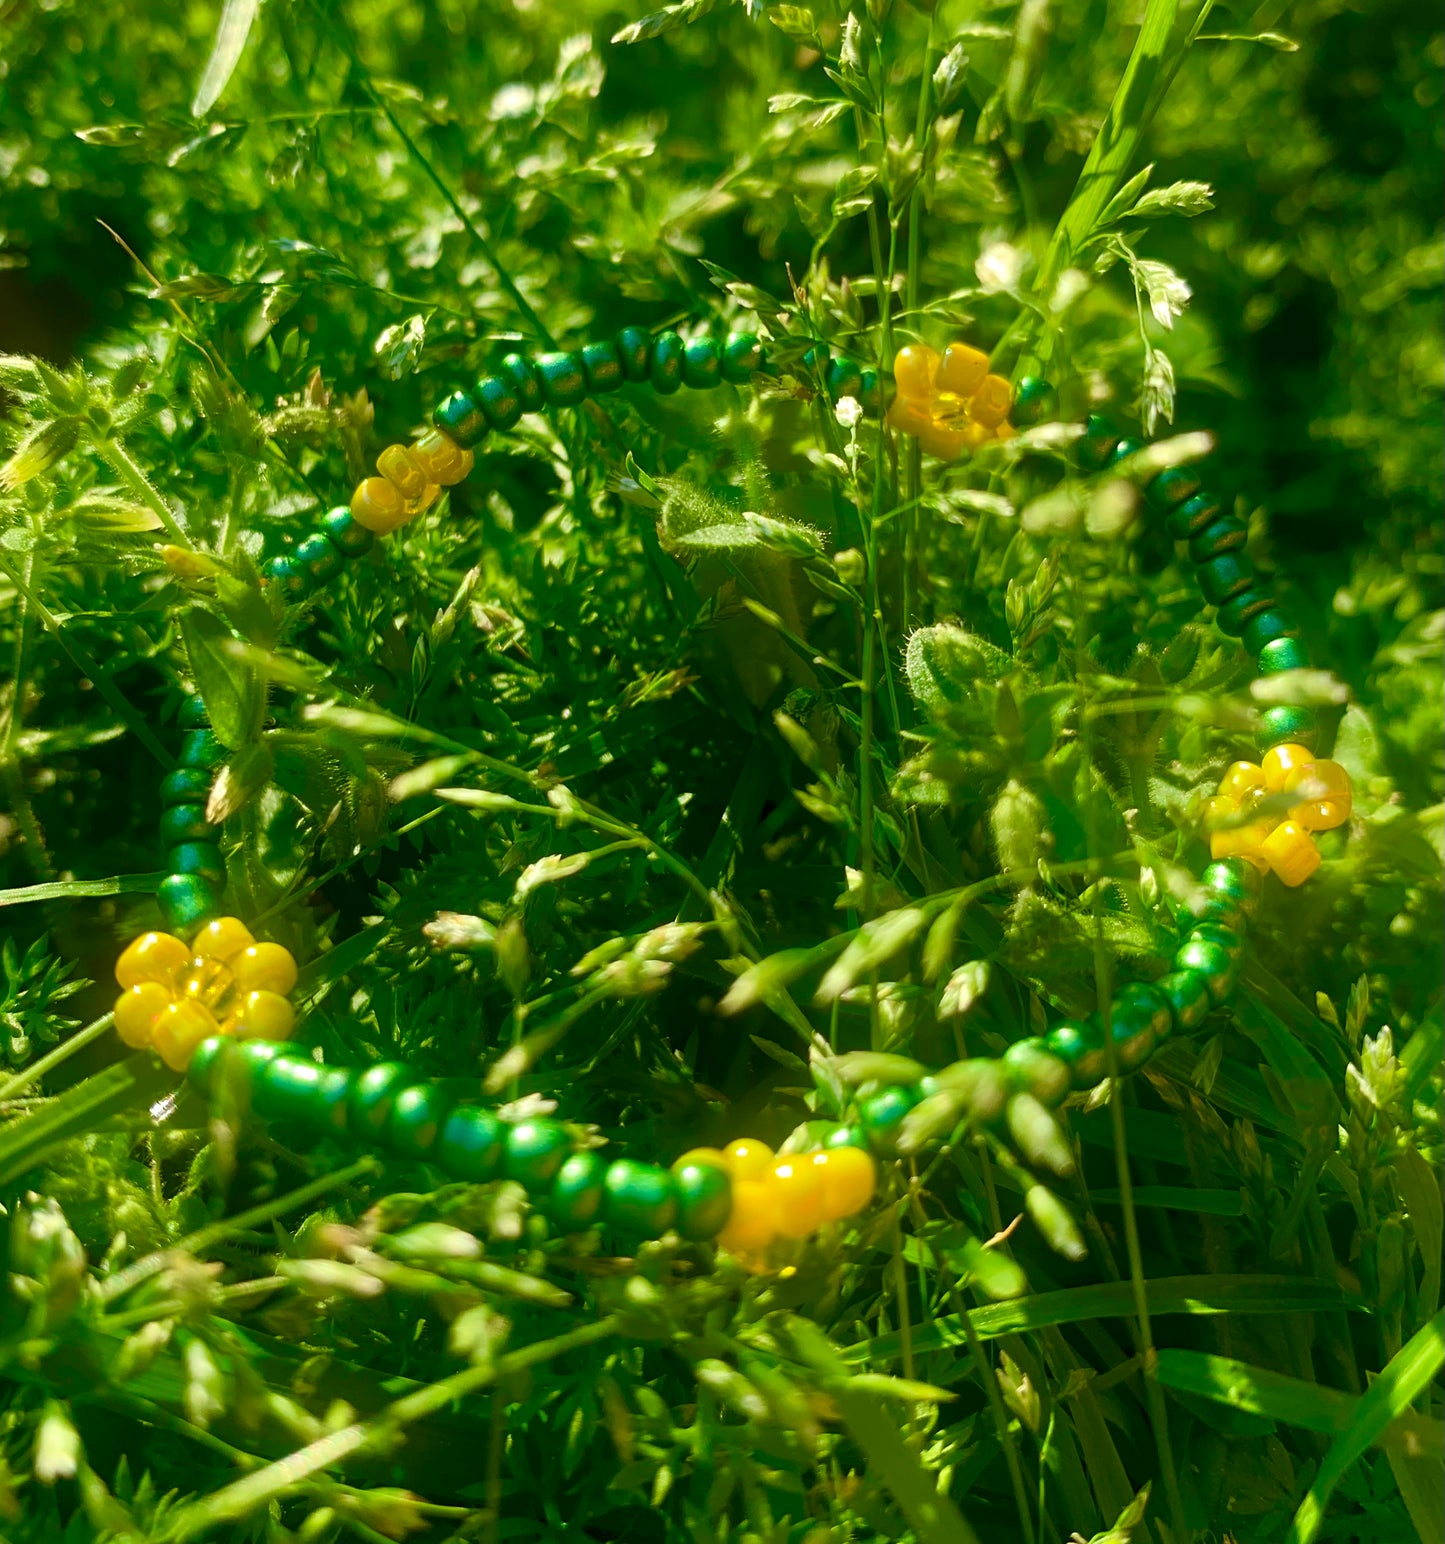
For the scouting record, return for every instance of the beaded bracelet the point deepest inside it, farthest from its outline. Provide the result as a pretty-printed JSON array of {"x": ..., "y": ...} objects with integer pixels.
[{"x": 212, "y": 1001}]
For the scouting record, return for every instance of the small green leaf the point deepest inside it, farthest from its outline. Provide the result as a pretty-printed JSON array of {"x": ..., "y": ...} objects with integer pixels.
[{"x": 227, "y": 686}]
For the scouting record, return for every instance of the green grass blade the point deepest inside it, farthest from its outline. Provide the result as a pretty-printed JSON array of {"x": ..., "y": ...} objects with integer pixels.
[
  {"x": 71, "y": 889},
  {"x": 1293, "y": 1401},
  {"x": 1178, "y": 1198}
]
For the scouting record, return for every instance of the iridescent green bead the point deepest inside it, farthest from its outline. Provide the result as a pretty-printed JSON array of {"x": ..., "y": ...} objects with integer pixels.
[
  {"x": 816, "y": 359},
  {"x": 704, "y": 1199},
  {"x": 186, "y": 901},
  {"x": 461, "y": 419},
  {"x": 640, "y": 1198},
  {"x": 1187, "y": 993},
  {"x": 634, "y": 348},
  {"x": 1172, "y": 487},
  {"x": 518, "y": 372},
  {"x": 1239, "y": 610},
  {"x": 1079, "y": 1044},
  {"x": 536, "y": 1149},
  {"x": 877, "y": 391},
  {"x": 1226, "y": 938},
  {"x": 845, "y": 379},
  {"x": 1284, "y": 725},
  {"x": 664, "y": 367},
  {"x": 202, "y": 858},
  {"x": 1264, "y": 628},
  {"x": 1236, "y": 880},
  {"x": 285, "y": 1089},
  {"x": 1217, "y": 966},
  {"x": 331, "y": 1105},
  {"x": 203, "y": 1063},
  {"x": 471, "y": 1145},
  {"x": 1222, "y": 577},
  {"x": 847, "y": 1136},
  {"x": 200, "y": 748},
  {"x": 192, "y": 714},
  {"x": 564, "y": 382},
  {"x": 1220, "y": 536},
  {"x": 185, "y": 823},
  {"x": 1281, "y": 654},
  {"x": 881, "y": 1116},
  {"x": 701, "y": 364},
  {"x": 1211, "y": 906},
  {"x": 371, "y": 1098},
  {"x": 319, "y": 556},
  {"x": 254, "y": 1056},
  {"x": 742, "y": 356},
  {"x": 1035, "y": 401},
  {"x": 498, "y": 399},
  {"x": 1032, "y": 1068},
  {"x": 602, "y": 365},
  {"x": 1096, "y": 446},
  {"x": 1126, "y": 447},
  {"x": 1139, "y": 1019},
  {"x": 186, "y": 785},
  {"x": 1193, "y": 516},
  {"x": 345, "y": 534},
  {"x": 289, "y": 576},
  {"x": 577, "y": 1193},
  {"x": 415, "y": 1121}
]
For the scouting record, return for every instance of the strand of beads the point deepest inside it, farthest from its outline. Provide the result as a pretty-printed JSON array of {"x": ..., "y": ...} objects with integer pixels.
[
  {"x": 950, "y": 402},
  {"x": 1266, "y": 813},
  {"x": 195, "y": 877}
]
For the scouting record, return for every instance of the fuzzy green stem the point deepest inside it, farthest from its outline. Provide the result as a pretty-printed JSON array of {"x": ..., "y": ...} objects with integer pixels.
[{"x": 116, "y": 456}]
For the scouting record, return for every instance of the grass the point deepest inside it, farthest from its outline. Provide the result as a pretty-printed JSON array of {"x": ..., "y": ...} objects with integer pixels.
[{"x": 695, "y": 738}]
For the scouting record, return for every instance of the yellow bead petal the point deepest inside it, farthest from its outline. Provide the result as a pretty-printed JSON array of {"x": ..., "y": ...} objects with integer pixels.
[
  {"x": 1005, "y": 431},
  {"x": 1328, "y": 797},
  {"x": 180, "y": 1029},
  {"x": 975, "y": 434},
  {"x": 152, "y": 957},
  {"x": 1244, "y": 777},
  {"x": 221, "y": 938},
  {"x": 378, "y": 506},
  {"x": 946, "y": 444},
  {"x": 442, "y": 459},
  {"x": 1285, "y": 765},
  {"x": 748, "y": 1159},
  {"x": 1220, "y": 813},
  {"x": 914, "y": 370},
  {"x": 798, "y": 1195},
  {"x": 1321, "y": 814},
  {"x": 264, "y": 968},
  {"x": 712, "y": 1156},
  {"x": 909, "y": 417},
  {"x": 1241, "y": 842},
  {"x": 849, "y": 1179},
  {"x": 991, "y": 402},
  {"x": 753, "y": 1223},
  {"x": 961, "y": 370},
  {"x": 262, "y": 1016},
  {"x": 401, "y": 469},
  {"x": 137, "y": 1010},
  {"x": 1291, "y": 853}
]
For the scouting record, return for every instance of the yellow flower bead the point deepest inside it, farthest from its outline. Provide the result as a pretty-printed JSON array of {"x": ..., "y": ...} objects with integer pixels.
[
  {"x": 378, "y": 506},
  {"x": 748, "y": 1159},
  {"x": 180, "y": 1029},
  {"x": 1290, "y": 851},
  {"x": 264, "y": 968},
  {"x": 442, "y": 459},
  {"x": 158, "y": 957},
  {"x": 1230, "y": 839},
  {"x": 401, "y": 469},
  {"x": 914, "y": 370},
  {"x": 991, "y": 402},
  {"x": 261, "y": 1016},
  {"x": 1240, "y": 780},
  {"x": 1286, "y": 765},
  {"x": 797, "y": 1188},
  {"x": 208, "y": 981},
  {"x": 936, "y": 440},
  {"x": 1329, "y": 799},
  {"x": 909, "y": 418},
  {"x": 136, "y": 1012},
  {"x": 962, "y": 370},
  {"x": 708, "y": 1155},
  {"x": 849, "y": 1179},
  {"x": 753, "y": 1222},
  {"x": 221, "y": 938}
]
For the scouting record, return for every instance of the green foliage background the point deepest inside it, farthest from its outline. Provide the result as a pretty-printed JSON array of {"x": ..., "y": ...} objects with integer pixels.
[{"x": 304, "y": 267}]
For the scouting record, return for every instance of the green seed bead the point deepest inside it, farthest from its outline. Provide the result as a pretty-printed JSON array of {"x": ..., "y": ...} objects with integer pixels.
[
  {"x": 320, "y": 558},
  {"x": 1225, "y": 576},
  {"x": 1079, "y": 1044},
  {"x": 200, "y": 748},
  {"x": 185, "y": 823},
  {"x": 1239, "y": 610},
  {"x": 1140, "y": 1018},
  {"x": 701, "y": 364},
  {"x": 845, "y": 379},
  {"x": 461, "y": 419},
  {"x": 1211, "y": 906},
  {"x": 817, "y": 359},
  {"x": 1283, "y": 725},
  {"x": 331, "y": 1106},
  {"x": 1097, "y": 445},
  {"x": 578, "y": 1192},
  {"x": 520, "y": 374},
  {"x": 187, "y": 900},
  {"x": 1187, "y": 993},
  {"x": 1217, "y": 967},
  {"x": 415, "y": 1121},
  {"x": 1226, "y": 938},
  {"x": 498, "y": 399},
  {"x": 1264, "y": 628},
  {"x": 634, "y": 348},
  {"x": 1126, "y": 447},
  {"x": 371, "y": 1099},
  {"x": 285, "y": 1089},
  {"x": 471, "y": 1145},
  {"x": 640, "y": 1198},
  {"x": 192, "y": 714},
  {"x": 186, "y": 785},
  {"x": 1218, "y": 537},
  {"x": 345, "y": 534},
  {"x": 1035, "y": 401},
  {"x": 1235, "y": 880},
  {"x": 289, "y": 576},
  {"x": 254, "y": 1056},
  {"x": 1193, "y": 516},
  {"x": 202, "y": 858},
  {"x": 881, "y": 1116},
  {"x": 564, "y": 382},
  {"x": 1281, "y": 654},
  {"x": 602, "y": 365},
  {"x": 1033, "y": 1069},
  {"x": 742, "y": 356},
  {"x": 664, "y": 367},
  {"x": 847, "y": 1136},
  {"x": 535, "y": 1151},
  {"x": 1172, "y": 487},
  {"x": 203, "y": 1063},
  {"x": 704, "y": 1200}
]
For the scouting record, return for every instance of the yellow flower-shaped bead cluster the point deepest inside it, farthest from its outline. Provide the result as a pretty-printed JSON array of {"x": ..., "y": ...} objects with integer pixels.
[
  {"x": 411, "y": 478},
  {"x": 174, "y": 994},
  {"x": 949, "y": 403},
  {"x": 787, "y": 1195},
  {"x": 1251, "y": 817}
]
